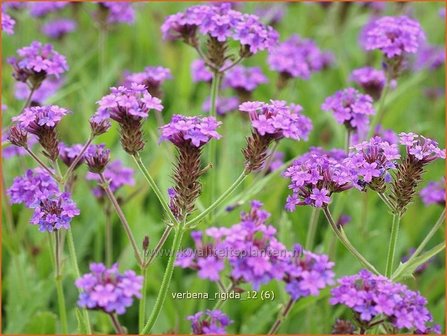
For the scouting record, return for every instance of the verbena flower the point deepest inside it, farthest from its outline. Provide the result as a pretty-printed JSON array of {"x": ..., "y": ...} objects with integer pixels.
[
  {"x": 36, "y": 62},
  {"x": 271, "y": 13},
  {"x": 128, "y": 106},
  {"x": 12, "y": 151},
  {"x": 42, "y": 121},
  {"x": 224, "y": 105},
  {"x": 8, "y": 23},
  {"x": 370, "y": 163},
  {"x": 315, "y": 176},
  {"x": 245, "y": 79},
  {"x": 107, "y": 289},
  {"x": 394, "y": 36},
  {"x": 110, "y": 13},
  {"x": 116, "y": 174},
  {"x": 210, "y": 322},
  {"x": 33, "y": 186},
  {"x": 272, "y": 122},
  {"x": 40, "y": 9},
  {"x": 307, "y": 274},
  {"x": 297, "y": 58},
  {"x": 434, "y": 193},
  {"x": 46, "y": 90},
  {"x": 97, "y": 157},
  {"x": 200, "y": 72},
  {"x": 57, "y": 29},
  {"x": 68, "y": 154},
  {"x": 350, "y": 108},
  {"x": 386, "y": 134},
  {"x": 221, "y": 24},
  {"x": 53, "y": 212},
  {"x": 343, "y": 327},
  {"x": 371, "y": 295},
  {"x": 371, "y": 80},
  {"x": 430, "y": 57},
  {"x": 152, "y": 78}
]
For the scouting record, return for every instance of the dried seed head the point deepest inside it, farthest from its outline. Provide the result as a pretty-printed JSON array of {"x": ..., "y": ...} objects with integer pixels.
[
  {"x": 49, "y": 142},
  {"x": 18, "y": 137},
  {"x": 131, "y": 135},
  {"x": 99, "y": 127},
  {"x": 255, "y": 153},
  {"x": 343, "y": 327},
  {"x": 216, "y": 52}
]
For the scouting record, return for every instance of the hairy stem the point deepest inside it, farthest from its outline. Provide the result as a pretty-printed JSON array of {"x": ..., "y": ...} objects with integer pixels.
[
  {"x": 123, "y": 219},
  {"x": 434, "y": 229},
  {"x": 142, "y": 307},
  {"x": 30, "y": 96},
  {"x": 116, "y": 324},
  {"x": 282, "y": 316},
  {"x": 59, "y": 289},
  {"x": 76, "y": 161},
  {"x": 312, "y": 228},
  {"x": 43, "y": 165},
  {"x": 345, "y": 241},
  {"x": 392, "y": 246},
  {"x": 347, "y": 140},
  {"x": 179, "y": 230},
  {"x": 159, "y": 245}
]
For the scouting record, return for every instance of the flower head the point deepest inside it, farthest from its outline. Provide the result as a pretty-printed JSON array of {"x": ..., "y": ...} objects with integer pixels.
[
  {"x": 19, "y": 139},
  {"x": 315, "y": 176},
  {"x": 37, "y": 61},
  {"x": 430, "y": 57},
  {"x": 57, "y": 29},
  {"x": 107, "y": 289},
  {"x": 420, "y": 148},
  {"x": 371, "y": 80},
  {"x": 434, "y": 193},
  {"x": 53, "y": 212},
  {"x": 117, "y": 174},
  {"x": 43, "y": 8},
  {"x": 242, "y": 78},
  {"x": 199, "y": 71},
  {"x": 224, "y": 105},
  {"x": 47, "y": 89},
  {"x": 33, "y": 186},
  {"x": 195, "y": 131},
  {"x": 152, "y": 78},
  {"x": 371, "y": 295},
  {"x": 97, "y": 157},
  {"x": 68, "y": 154},
  {"x": 110, "y": 13},
  {"x": 350, "y": 108},
  {"x": 8, "y": 23},
  {"x": 210, "y": 322},
  {"x": 35, "y": 119}
]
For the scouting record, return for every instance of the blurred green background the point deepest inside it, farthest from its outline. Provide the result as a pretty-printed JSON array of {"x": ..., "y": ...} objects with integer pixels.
[{"x": 28, "y": 292}]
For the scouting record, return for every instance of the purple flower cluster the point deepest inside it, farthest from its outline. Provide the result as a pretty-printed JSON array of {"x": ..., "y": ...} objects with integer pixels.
[
  {"x": 33, "y": 186},
  {"x": 372, "y": 160},
  {"x": 298, "y": 57},
  {"x": 8, "y": 23},
  {"x": 54, "y": 212},
  {"x": 434, "y": 193},
  {"x": 47, "y": 89},
  {"x": 43, "y": 8},
  {"x": 223, "y": 105},
  {"x": 126, "y": 103},
  {"x": 307, "y": 273},
  {"x": 394, "y": 36},
  {"x": 118, "y": 12},
  {"x": 222, "y": 23},
  {"x": 200, "y": 72},
  {"x": 57, "y": 29},
  {"x": 315, "y": 176},
  {"x": 278, "y": 119},
  {"x": 420, "y": 148},
  {"x": 350, "y": 108},
  {"x": 38, "y": 118},
  {"x": 430, "y": 57},
  {"x": 210, "y": 322},
  {"x": 152, "y": 78},
  {"x": 371, "y": 295},
  {"x": 107, "y": 289},
  {"x": 371, "y": 80},
  {"x": 183, "y": 130},
  {"x": 11, "y": 151},
  {"x": 116, "y": 174},
  {"x": 68, "y": 154},
  {"x": 97, "y": 157},
  {"x": 244, "y": 78},
  {"x": 38, "y": 60}
]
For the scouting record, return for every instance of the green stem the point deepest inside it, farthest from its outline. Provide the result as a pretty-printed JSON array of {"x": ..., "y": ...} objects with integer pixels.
[
  {"x": 392, "y": 245},
  {"x": 159, "y": 245},
  {"x": 43, "y": 165},
  {"x": 154, "y": 187},
  {"x": 381, "y": 110},
  {"x": 221, "y": 302},
  {"x": 76, "y": 161},
  {"x": 312, "y": 228},
  {"x": 212, "y": 178},
  {"x": 438, "y": 224},
  {"x": 385, "y": 200},
  {"x": 123, "y": 219},
  {"x": 282, "y": 316},
  {"x": 28, "y": 100},
  {"x": 119, "y": 330},
  {"x": 59, "y": 289},
  {"x": 109, "y": 239},
  {"x": 269, "y": 160},
  {"x": 179, "y": 230},
  {"x": 142, "y": 307},
  {"x": 347, "y": 140},
  {"x": 345, "y": 241},
  {"x": 217, "y": 202}
]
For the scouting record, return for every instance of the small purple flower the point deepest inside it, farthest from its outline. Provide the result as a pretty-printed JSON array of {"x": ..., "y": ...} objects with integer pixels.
[
  {"x": 46, "y": 90},
  {"x": 277, "y": 119},
  {"x": 152, "y": 78},
  {"x": 68, "y": 154},
  {"x": 33, "y": 186},
  {"x": 373, "y": 295},
  {"x": 224, "y": 105},
  {"x": 43, "y": 8},
  {"x": 107, "y": 289},
  {"x": 38, "y": 119},
  {"x": 54, "y": 211},
  {"x": 97, "y": 157},
  {"x": 199, "y": 71},
  {"x": 12, "y": 151},
  {"x": 8, "y": 23},
  {"x": 434, "y": 193},
  {"x": 183, "y": 130},
  {"x": 37, "y": 61},
  {"x": 315, "y": 176},
  {"x": 297, "y": 58},
  {"x": 350, "y": 108},
  {"x": 242, "y": 78},
  {"x": 210, "y": 322},
  {"x": 430, "y": 57},
  {"x": 371, "y": 80},
  {"x": 394, "y": 36},
  {"x": 118, "y": 176},
  {"x": 58, "y": 28},
  {"x": 420, "y": 148},
  {"x": 116, "y": 12}
]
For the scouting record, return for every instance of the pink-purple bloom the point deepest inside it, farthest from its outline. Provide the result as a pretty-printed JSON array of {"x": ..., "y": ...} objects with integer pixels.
[
  {"x": 434, "y": 193},
  {"x": 430, "y": 57},
  {"x": 371, "y": 295},
  {"x": 350, "y": 108},
  {"x": 47, "y": 89},
  {"x": 196, "y": 131},
  {"x": 371, "y": 80},
  {"x": 97, "y": 157},
  {"x": 277, "y": 119},
  {"x": 37, "y": 119},
  {"x": 58, "y": 28},
  {"x": 244, "y": 78},
  {"x": 210, "y": 322},
  {"x": 224, "y": 105},
  {"x": 298, "y": 57},
  {"x": 152, "y": 78},
  {"x": 222, "y": 23},
  {"x": 107, "y": 289},
  {"x": 200, "y": 72},
  {"x": 43, "y": 8},
  {"x": 420, "y": 148},
  {"x": 116, "y": 174},
  {"x": 118, "y": 12},
  {"x": 8, "y": 23},
  {"x": 393, "y": 35},
  {"x": 315, "y": 176},
  {"x": 68, "y": 154}
]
